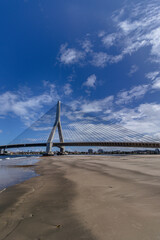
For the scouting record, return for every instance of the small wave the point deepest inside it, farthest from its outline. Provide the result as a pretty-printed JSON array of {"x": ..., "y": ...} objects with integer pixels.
[
  {"x": 2, "y": 190},
  {"x": 24, "y": 157},
  {"x": 7, "y": 158}
]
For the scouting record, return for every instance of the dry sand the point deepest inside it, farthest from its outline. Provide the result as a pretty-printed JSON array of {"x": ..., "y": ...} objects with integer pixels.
[{"x": 85, "y": 197}]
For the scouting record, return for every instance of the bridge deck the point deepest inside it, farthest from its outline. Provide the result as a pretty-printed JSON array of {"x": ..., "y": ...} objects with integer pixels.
[{"x": 104, "y": 144}]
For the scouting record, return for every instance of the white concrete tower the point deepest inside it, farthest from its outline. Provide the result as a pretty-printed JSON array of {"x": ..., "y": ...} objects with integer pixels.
[{"x": 51, "y": 136}]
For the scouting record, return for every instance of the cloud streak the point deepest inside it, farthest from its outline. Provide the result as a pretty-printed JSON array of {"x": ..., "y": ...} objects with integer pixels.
[
  {"x": 67, "y": 89},
  {"x": 140, "y": 29},
  {"x": 124, "y": 97},
  {"x": 91, "y": 81},
  {"x": 26, "y": 107},
  {"x": 70, "y": 55},
  {"x": 137, "y": 30},
  {"x": 142, "y": 119}
]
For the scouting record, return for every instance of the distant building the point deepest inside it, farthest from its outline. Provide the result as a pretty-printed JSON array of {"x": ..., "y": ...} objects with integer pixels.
[
  {"x": 157, "y": 151},
  {"x": 100, "y": 150},
  {"x": 90, "y": 151}
]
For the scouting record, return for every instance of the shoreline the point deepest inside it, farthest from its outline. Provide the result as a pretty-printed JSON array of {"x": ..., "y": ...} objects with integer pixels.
[
  {"x": 16, "y": 170},
  {"x": 85, "y": 197}
]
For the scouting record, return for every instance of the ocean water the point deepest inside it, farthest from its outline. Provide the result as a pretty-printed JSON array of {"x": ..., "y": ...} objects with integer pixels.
[{"x": 12, "y": 171}]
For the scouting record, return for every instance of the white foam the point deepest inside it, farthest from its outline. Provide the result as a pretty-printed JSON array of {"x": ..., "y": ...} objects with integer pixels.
[{"x": 2, "y": 190}]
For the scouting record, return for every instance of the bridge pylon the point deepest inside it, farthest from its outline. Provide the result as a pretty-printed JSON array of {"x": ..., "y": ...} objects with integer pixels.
[
  {"x": 2, "y": 151},
  {"x": 51, "y": 136}
]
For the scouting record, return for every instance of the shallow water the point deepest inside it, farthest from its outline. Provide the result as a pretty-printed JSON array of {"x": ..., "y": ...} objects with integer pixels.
[{"x": 12, "y": 171}]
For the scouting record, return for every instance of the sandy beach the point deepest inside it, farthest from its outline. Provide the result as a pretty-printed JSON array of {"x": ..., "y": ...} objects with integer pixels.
[{"x": 85, "y": 197}]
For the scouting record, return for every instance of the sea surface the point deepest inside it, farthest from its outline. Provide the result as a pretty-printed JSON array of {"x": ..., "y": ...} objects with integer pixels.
[{"x": 16, "y": 169}]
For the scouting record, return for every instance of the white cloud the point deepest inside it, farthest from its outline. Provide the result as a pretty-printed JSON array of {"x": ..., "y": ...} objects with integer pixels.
[
  {"x": 155, "y": 78},
  {"x": 1, "y": 131},
  {"x": 87, "y": 106},
  {"x": 146, "y": 119},
  {"x": 51, "y": 87},
  {"x": 144, "y": 31},
  {"x": 132, "y": 45},
  {"x": 156, "y": 83},
  {"x": 109, "y": 40},
  {"x": 133, "y": 69},
  {"x": 87, "y": 45},
  {"x": 67, "y": 89},
  {"x": 135, "y": 93},
  {"x": 26, "y": 107},
  {"x": 41, "y": 128},
  {"x": 101, "y": 34},
  {"x": 91, "y": 81},
  {"x": 134, "y": 34},
  {"x": 97, "y": 105},
  {"x": 152, "y": 75},
  {"x": 70, "y": 55},
  {"x": 100, "y": 59},
  {"x": 142, "y": 119},
  {"x": 140, "y": 29},
  {"x": 154, "y": 40},
  {"x": 128, "y": 26},
  {"x": 115, "y": 59}
]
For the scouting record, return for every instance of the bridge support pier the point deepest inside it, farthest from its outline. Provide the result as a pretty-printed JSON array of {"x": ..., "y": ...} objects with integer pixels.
[
  {"x": 51, "y": 136},
  {"x": 49, "y": 148},
  {"x": 62, "y": 150},
  {"x": 2, "y": 151}
]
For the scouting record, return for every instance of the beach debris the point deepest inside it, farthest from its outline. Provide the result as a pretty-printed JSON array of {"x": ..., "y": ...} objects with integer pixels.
[
  {"x": 58, "y": 226},
  {"x": 21, "y": 166}
]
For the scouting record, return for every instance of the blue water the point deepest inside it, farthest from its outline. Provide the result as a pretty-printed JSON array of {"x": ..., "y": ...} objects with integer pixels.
[{"x": 11, "y": 175}]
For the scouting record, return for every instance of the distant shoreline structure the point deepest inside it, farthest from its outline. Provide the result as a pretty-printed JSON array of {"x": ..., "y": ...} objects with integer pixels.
[{"x": 87, "y": 152}]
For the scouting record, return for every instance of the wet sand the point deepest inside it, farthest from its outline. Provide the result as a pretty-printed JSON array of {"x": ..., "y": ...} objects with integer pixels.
[{"x": 85, "y": 197}]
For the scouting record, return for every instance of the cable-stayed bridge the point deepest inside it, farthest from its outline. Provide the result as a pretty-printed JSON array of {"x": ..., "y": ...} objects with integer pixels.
[{"x": 64, "y": 126}]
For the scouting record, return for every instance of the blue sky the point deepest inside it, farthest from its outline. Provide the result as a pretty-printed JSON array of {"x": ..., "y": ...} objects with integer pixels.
[{"x": 99, "y": 56}]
